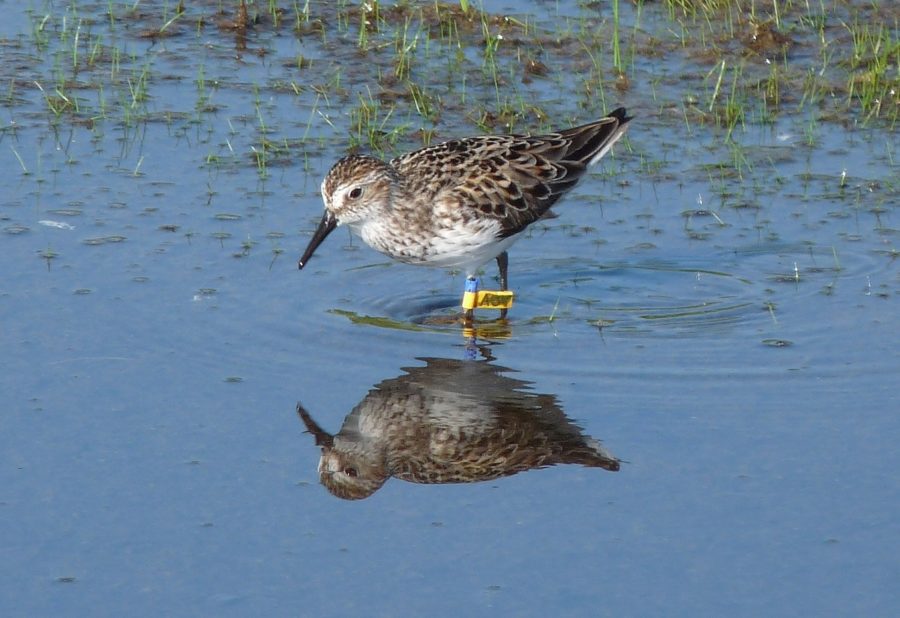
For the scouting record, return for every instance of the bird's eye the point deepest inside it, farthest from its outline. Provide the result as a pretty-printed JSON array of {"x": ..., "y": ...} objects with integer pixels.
[
  {"x": 355, "y": 193},
  {"x": 351, "y": 472}
]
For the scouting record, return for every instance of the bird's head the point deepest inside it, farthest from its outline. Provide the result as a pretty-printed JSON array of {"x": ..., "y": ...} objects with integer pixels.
[{"x": 356, "y": 190}]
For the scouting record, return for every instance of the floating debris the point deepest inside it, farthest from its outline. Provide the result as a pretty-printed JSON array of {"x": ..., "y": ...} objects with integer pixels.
[
  {"x": 103, "y": 240},
  {"x": 57, "y": 224},
  {"x": 777, "y": 343},
  {"x": 204, "y": 293}
]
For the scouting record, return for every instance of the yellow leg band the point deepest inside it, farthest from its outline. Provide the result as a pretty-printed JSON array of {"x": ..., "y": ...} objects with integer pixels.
[
  {"x": 487, "y": 299},
  {"x": 474, "y": 298},
  {"x": 469, "y": 300},
  {"x": 493, "y": 299}
]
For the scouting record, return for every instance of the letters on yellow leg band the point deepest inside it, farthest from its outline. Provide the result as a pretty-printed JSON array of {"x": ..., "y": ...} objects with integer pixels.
[
  {"x": 473, "y": 298},
  {"x": 493, "y": 299}
]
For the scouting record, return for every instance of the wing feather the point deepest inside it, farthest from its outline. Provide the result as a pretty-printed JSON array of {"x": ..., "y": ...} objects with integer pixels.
[{"x": 512, "y": 178}]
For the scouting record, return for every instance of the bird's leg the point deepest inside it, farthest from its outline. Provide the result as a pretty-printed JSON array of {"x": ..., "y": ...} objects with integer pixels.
[
  {"x": 469, "y": 300},
  {"x": 502, "y": 264}
]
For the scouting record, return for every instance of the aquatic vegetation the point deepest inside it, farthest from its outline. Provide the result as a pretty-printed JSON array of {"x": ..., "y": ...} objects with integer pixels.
[{"x": 452, "y": 62}]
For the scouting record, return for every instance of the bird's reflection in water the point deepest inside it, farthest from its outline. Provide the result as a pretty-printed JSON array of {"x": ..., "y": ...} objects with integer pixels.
[{"x": 449, "y": 422}]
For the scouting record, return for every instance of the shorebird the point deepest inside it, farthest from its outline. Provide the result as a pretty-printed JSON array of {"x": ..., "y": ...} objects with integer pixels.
[
  {"x": 449, "y": 422},
  {"x": 461, "y": 203}
]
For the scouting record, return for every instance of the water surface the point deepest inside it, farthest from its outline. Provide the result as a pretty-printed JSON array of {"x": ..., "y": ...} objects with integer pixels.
[{"x": 720, "y": 312}]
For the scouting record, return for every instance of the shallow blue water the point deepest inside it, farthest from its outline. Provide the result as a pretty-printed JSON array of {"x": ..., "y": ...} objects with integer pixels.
[{"x": 732, "y": 340}]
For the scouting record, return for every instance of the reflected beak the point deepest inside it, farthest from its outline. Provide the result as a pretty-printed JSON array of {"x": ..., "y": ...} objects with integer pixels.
[
  {"x": 323, "y": 438},
  {"x": 327, "y": 224}
]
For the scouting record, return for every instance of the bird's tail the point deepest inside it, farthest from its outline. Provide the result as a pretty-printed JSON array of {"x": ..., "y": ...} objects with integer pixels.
[{"x": 589, "y": 142}]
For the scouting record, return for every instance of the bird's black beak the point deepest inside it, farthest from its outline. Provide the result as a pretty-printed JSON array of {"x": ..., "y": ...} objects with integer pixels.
[{"x": 327, "y": 224}]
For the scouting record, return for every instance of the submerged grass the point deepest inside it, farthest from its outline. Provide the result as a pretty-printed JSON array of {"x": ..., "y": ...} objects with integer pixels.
[
  {"x": 391, "y": 75},
  {"x": 275, "y": 85}
]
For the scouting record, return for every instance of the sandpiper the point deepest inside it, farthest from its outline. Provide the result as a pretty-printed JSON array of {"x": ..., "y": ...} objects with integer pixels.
[
  {"x": 452, "y": 421},
  {"x": 461, "y": 203}
]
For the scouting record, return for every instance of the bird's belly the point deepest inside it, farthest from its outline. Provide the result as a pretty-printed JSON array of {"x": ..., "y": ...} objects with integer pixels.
[
  {"x": 463, "y": 246},
  {"x": 466, "y": 252}
]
